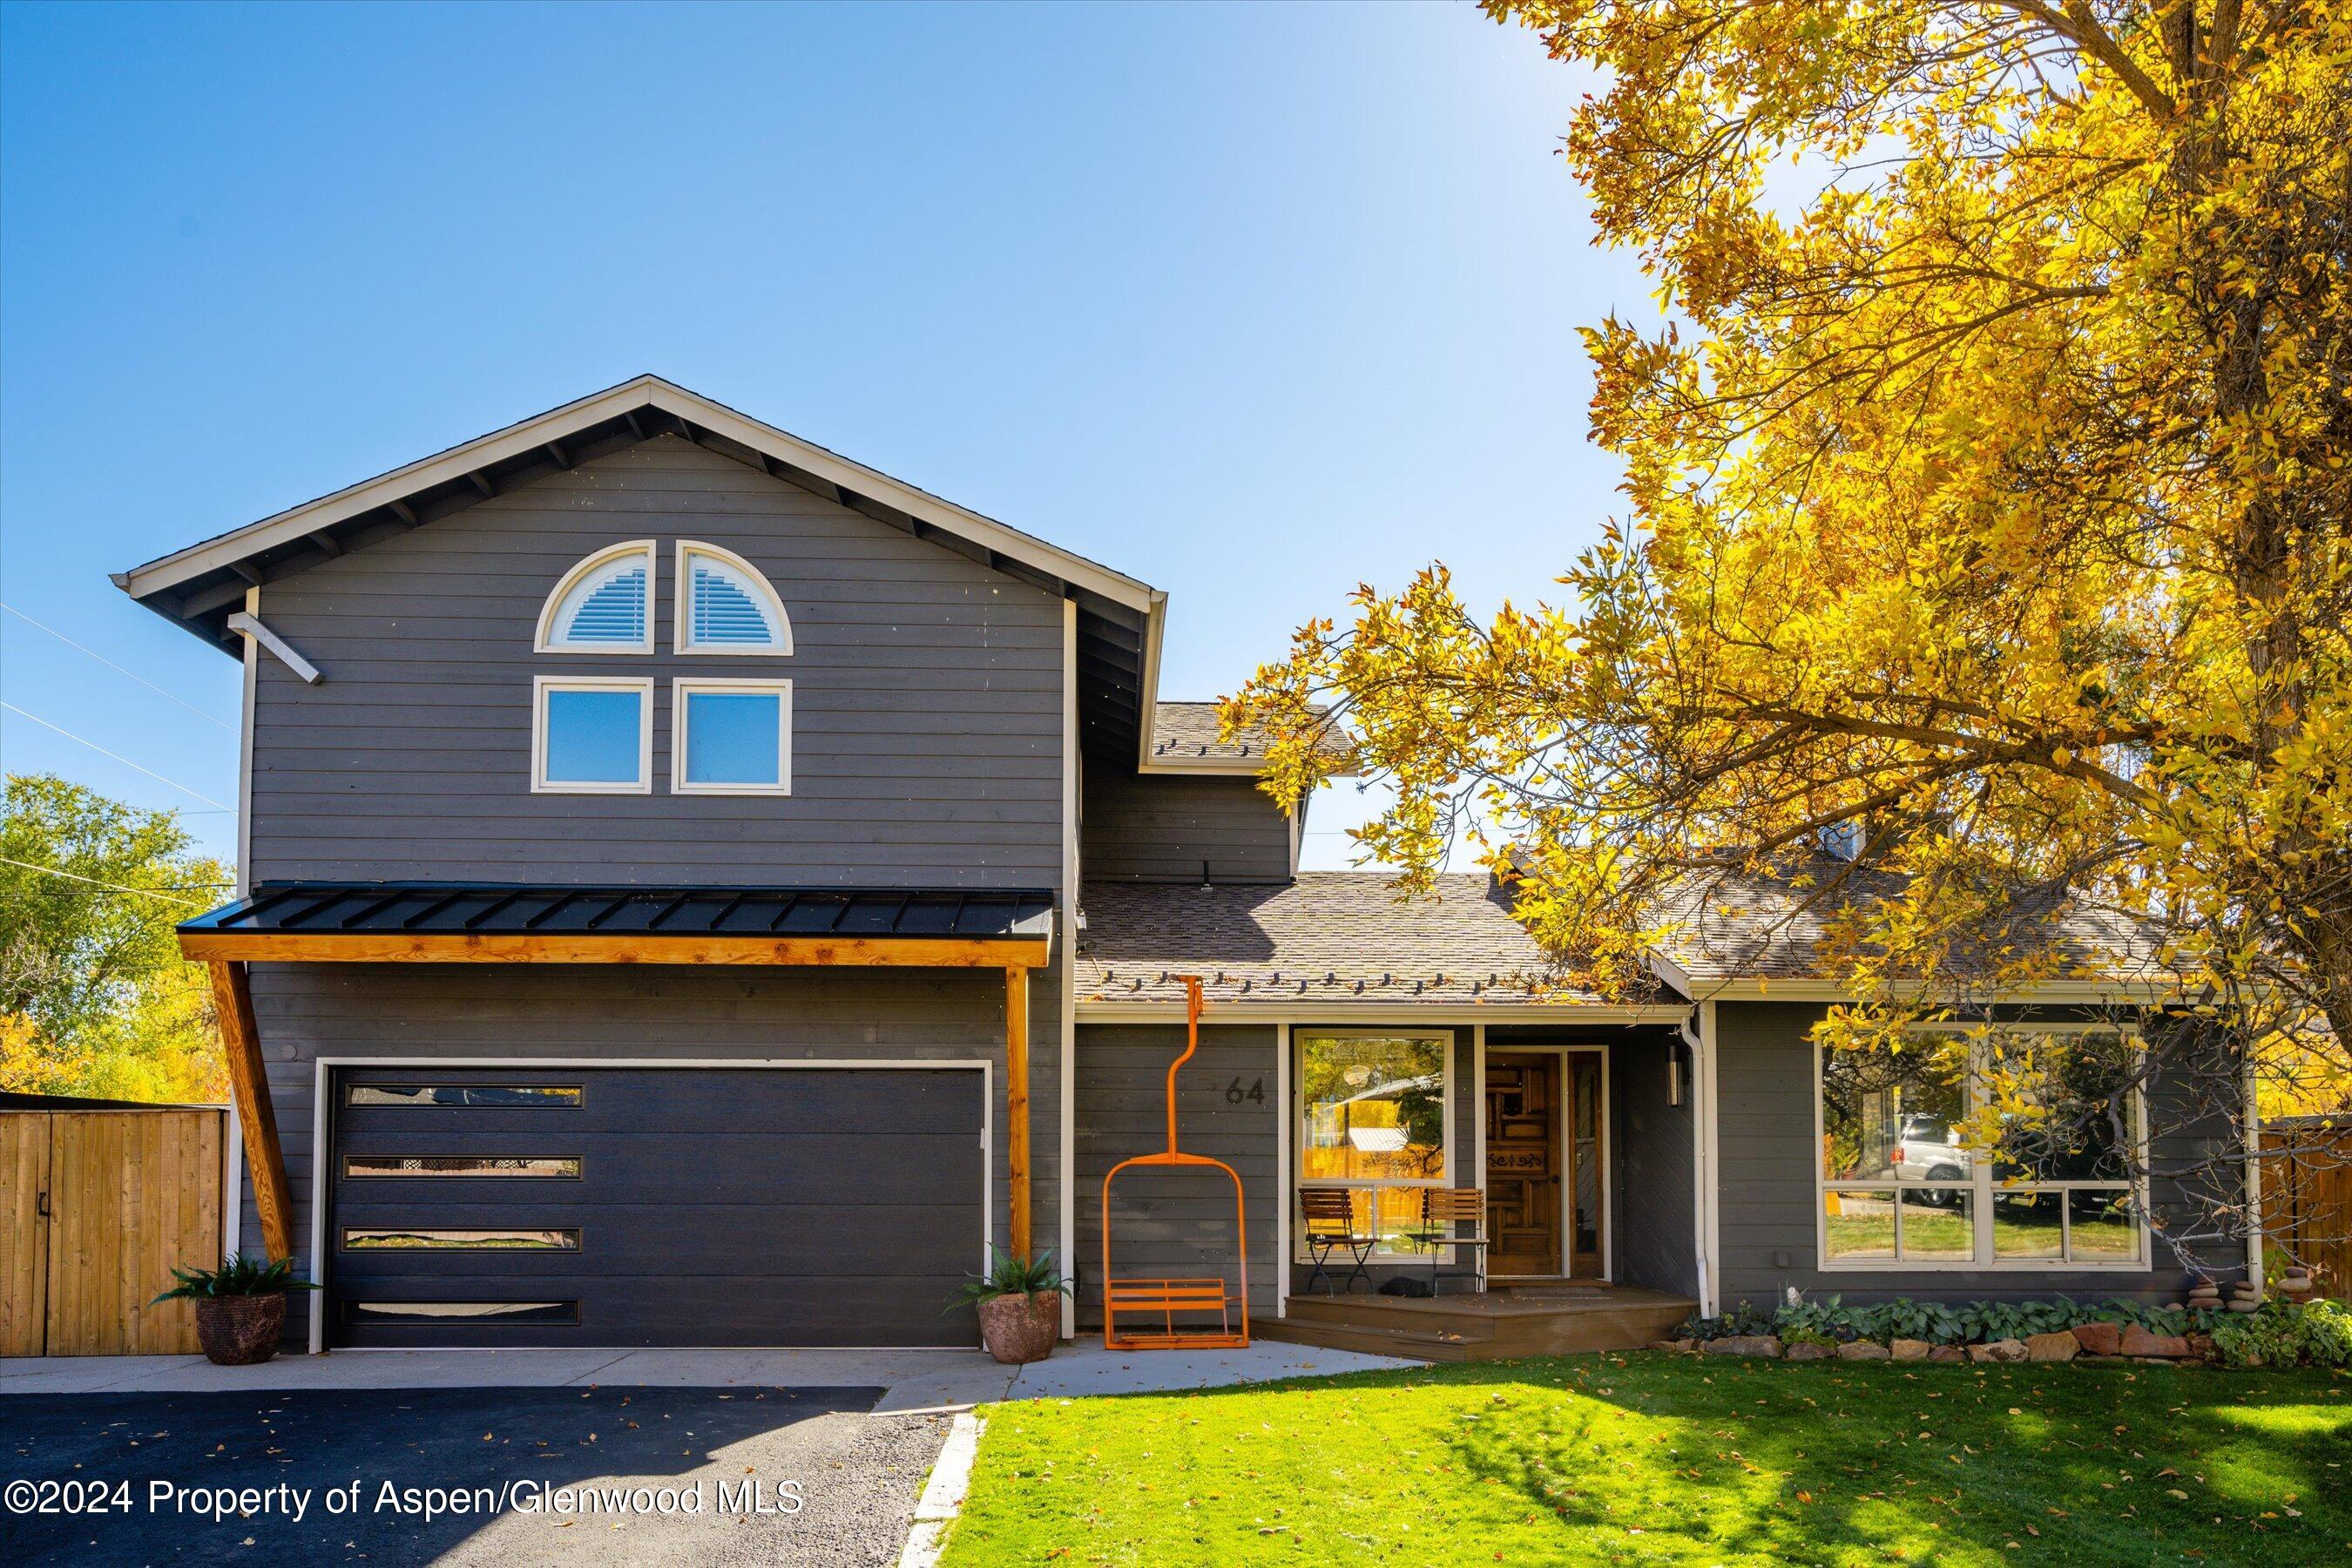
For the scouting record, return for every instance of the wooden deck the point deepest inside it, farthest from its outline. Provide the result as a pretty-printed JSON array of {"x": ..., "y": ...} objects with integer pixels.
[{"x": 1500, "y": 1324}]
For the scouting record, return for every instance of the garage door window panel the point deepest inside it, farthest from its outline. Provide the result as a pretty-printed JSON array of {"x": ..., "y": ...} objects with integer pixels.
[
  {"x": 526, "y": 1167},
  {"x": 503, "y": 1096}
]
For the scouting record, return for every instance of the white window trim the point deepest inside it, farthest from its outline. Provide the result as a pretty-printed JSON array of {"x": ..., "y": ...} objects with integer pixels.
[
  {"x": 1982, "y": 1188},
  {"x": 543, "y": 641},
  {"x": 684, "y": 686},
  {"x": 1298, "y": 1038},
  {"x": 541, "y": 685},
  {"x": 682, "y": 611}
]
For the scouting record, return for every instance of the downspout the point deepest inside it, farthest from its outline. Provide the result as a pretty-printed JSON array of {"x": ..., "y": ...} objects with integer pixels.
[
  {"x": 2254, "y": 1120},
  {"x": 1699, "y": 1173}
]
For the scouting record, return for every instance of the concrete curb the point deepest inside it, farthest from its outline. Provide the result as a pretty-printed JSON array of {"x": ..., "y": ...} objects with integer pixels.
[{"x": 942, "y": 1499}]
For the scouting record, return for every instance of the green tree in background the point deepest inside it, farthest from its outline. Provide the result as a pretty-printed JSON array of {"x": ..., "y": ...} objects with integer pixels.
[{"x": 95, "y": 998}]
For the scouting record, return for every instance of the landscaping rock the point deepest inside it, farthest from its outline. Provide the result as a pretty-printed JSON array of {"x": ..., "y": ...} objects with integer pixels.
[
  {"x": 2060, "y": 1346},
  {"x": 1948, "y": 1354},
  {"x": 1675, "y": 1347},
  {"x": 1997, "y": 1350},
  {"x": 2100, "y": 1339},
  {"x": 1862, "y": 1349},
  {"x": 1812, "y": 1352},
  {"x": 2201, "y": 1347},
  {"x": 2142, "y": 1345},
  {"x": 1746, "y": 1344},
  {"x": 1910, "y": 1349}
]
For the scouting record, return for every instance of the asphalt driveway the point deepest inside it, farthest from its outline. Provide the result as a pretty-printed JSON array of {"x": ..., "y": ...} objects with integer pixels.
[{"x": 509, "y": 1476}]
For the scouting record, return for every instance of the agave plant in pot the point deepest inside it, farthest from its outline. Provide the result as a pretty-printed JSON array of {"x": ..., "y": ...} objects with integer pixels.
[
  {"x": 240, "y": 1307},
  {"x": 1020, "y": 1304}
]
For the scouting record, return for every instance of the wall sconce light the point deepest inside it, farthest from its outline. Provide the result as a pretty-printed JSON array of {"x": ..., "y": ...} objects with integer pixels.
[{"x": 1673, "y": 1073}]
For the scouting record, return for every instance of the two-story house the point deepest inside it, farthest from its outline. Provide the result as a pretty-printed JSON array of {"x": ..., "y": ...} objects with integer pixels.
[{"x": 700, "y": 891}]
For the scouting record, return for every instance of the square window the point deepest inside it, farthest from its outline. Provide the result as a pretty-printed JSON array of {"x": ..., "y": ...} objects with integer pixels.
[
  {"x": 2029, "y": 1225},
  {"x": 2102, "y": 1226},
  {"x": 592, "y": 737},
  {"x": 1859, "y": 1227},
  {"x": 1938, "y": 1225},
  {"x": 731, "y": 737}
]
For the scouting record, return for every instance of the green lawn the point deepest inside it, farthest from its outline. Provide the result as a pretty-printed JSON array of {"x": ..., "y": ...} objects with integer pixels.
[{"x": 1657, "y": 1459}]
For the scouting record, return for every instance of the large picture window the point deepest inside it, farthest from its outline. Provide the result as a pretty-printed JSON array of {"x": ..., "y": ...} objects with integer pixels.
[
  {"x": 2002, "y": 1150},
  {"x": 1375, "y": 1114}
]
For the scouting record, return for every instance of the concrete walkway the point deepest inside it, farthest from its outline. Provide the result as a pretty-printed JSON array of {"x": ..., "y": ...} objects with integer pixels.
[{"x": 916, "y": 1381}]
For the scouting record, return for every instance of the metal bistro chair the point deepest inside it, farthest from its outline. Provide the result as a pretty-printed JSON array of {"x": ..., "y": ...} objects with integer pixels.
[
  {"x": 1330, "y": 1215},
  {"x": 1444, "y": 1211}
]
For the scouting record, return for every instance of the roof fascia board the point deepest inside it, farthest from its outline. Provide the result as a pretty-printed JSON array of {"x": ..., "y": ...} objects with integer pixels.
[
  {"x": 874, "y": 485},
  {"x": 1154, "y": 628},
  {"x": 532, "y": 435},
  {"x": 1446, "y": 1013},
  {"x": 1751, "y": 988}
]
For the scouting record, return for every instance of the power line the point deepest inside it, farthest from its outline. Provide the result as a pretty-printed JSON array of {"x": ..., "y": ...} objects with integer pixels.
[
  {"x": 118, "y": 669},
  {"x": 126, "y": 762},
  {"x": 117, "y": 886}
]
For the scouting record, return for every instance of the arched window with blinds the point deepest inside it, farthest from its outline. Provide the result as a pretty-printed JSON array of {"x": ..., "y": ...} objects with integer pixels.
[
  {"x": 603, "y": 605},
  {"x": 725, "y": 605}
]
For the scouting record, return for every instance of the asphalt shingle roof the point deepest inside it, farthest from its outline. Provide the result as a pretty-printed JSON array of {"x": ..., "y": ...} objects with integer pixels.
[
  {"x": 1187, "y": 732},
  {"x": 1333, "y": 936},
  {"x": 1737, "y": 925}
]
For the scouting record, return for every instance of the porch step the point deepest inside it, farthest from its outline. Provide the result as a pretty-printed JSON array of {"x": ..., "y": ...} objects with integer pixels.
[
  {"x": 1413, "y": 1344},
  {"x": 1498, "y": 1325},
  {"x": 1425, "y": 1315}
]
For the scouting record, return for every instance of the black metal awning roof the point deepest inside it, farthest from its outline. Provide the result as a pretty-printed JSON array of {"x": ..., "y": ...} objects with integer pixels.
[{"x": 429, "y": 909}]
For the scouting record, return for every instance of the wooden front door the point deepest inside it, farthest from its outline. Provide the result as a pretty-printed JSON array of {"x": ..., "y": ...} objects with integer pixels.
[{"x": 1523, "y": 1163}]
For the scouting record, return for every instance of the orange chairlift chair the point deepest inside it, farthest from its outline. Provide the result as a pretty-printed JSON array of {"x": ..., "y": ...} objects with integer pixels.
[{"x": 1164, "y": 1298}]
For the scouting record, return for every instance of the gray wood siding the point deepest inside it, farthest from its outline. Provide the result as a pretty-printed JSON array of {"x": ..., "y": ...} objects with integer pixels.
[
  {"x": 927, "y": 702},
  {"x": 1159, "y": 827},
  {"x": 611, "y": 1012},
  {"x": 1650, "y": 1148},
  {"x": 1768, "y": 1191},
  {"x": 1175, "y": 1223}
]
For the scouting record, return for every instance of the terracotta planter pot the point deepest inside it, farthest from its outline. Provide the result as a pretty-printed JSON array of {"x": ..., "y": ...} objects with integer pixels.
[
  {"x": 240, "y": 1331},
  {"x": 1018, "y": 1330}
]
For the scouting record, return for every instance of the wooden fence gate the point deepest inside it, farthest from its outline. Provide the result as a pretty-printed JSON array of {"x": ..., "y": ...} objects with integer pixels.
[
  {"x": 95, "y": 1209},
  {"x": 2307, "y": 1197}
]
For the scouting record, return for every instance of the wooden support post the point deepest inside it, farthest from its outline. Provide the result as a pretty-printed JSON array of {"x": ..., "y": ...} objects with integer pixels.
[
  {"x": 1016, "y": 1101},
  {"x": 256, "y": 1118}
]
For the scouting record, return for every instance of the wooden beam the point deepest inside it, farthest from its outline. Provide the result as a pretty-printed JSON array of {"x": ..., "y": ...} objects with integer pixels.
[
  {"x": 249, "y": 1086},
  {"x": 402, "y": 510},
  {"x": 619, "y": 947},
  {"x": 481, "y": 482},
  {"x": 1016, "y": 1101}
]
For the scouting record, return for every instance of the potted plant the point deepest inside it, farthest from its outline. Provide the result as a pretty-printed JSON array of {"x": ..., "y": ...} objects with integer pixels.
[
  {"x": 1020, "y": 1304},
  {"x": 240, "y": 1307}
]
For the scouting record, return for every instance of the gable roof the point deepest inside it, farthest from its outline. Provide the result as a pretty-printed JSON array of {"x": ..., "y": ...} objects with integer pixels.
[{"x": 1118, "y": 616}]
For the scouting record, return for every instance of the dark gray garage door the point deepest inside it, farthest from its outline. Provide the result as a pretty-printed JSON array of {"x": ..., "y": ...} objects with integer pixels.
[{"x": 644, "y": 1206}]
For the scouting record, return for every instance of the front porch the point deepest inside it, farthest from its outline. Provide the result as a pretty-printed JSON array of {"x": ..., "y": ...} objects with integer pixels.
[{"x": 1553, "y": 1318}]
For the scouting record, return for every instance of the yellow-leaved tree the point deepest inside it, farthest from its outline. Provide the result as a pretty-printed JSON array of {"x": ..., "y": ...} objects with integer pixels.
[{"x": 1991, "y": 512}]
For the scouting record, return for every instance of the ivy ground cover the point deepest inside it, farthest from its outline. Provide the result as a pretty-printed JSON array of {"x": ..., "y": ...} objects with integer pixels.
[{"x": 1647, "y": 1457}]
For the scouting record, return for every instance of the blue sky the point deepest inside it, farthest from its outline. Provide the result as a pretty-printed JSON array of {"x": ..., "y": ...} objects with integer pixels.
[{"x": 1254, "y": 303}]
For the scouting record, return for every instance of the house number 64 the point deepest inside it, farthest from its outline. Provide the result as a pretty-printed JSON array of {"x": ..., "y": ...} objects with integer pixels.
[{"x": 1255, "y": 1094}]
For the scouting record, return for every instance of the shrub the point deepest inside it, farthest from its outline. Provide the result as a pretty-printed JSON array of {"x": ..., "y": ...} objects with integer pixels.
[
  {"x": 238, "y": 1276},
  {"x": 1745, "y": 1318},
  {"x": 2282, "y": 1334},
  {"x": 2329, "y": 1325}
]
